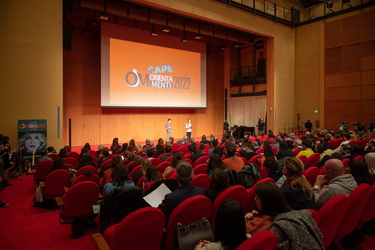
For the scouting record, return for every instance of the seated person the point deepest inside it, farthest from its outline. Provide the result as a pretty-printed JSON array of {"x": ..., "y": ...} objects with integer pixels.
[
  {"x": 219, "y": 182},
  {"x": 184, "y": 173},
  {"x": 272, "y": 167},
  {"x": 120, "y": 177},
  {"x": 307, "y": 145},
  {"x": 248, "y": 151},
  {"x": 233, "y": 162},
  {"x": 43, "y": 153}
]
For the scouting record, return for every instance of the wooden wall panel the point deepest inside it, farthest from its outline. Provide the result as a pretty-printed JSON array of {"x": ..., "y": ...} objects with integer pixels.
[
  {"x": 368, "y": 92},
  {"x": 368, "y": 107},
  {"x": 331, "y": 121},
  {"x": 351, "y": 79},
  {"x": 333, "y": 81},
  {"x": 351, "y": 36},
  {"x": 368, "y": 18},
  {"x": 351, "y": 107},
  {"x": 368, "y": 77},
  {"x": 333, "y": 53},
  {"x": 333, "y": 27},
  {"x": 368, "y": 62},
  {"x": 333, "y": 66},
  {"x": 352, "y": 22},
  {"x": 368, "y": 48},
  {"x": 333, "y": 107},
  {"x": 351, "y": 64},
  {"x": 333, "y": 94},
  {"x": 368, "y": 33},
  {"x": 352, "y": 50},
  {"x": 333, "y": 40},
  {"x": 351, "y": 93}
]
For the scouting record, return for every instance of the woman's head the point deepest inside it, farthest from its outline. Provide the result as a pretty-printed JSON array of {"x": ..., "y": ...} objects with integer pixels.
[
  {"x": 145, "y": 164},
  {"x": 219, "y": 178},
  {"x": 115, "y": 141},
  {"x": 87, "y": 145},
  {"x": 86, "y": 158},
  {"x": 370, "y": 162},
  {"x": 105, "y": 152},
  {"x": 132, "y": 143},
  {"x": 62, "y": 153},
  {"x": 268, "y": 152},
  {"x": 160, "y": 141},
  {"x": 137, "y": 160},
  {"x": 176, "y": 157},
  {"x": 293, "y": 168},
  {"x": 270, "y": 199},
  {"x": 120, "y": 174},
  {"x": 67, "y": 148},
  {"x": 115, "y": 160},
  {"x": 215, "y": 162},
  {"x": 159, "y": 149},
  {"x": 152, "y": 174},
  {"x": 230, "y": 227},
  {"x": 360, "y": 172}
]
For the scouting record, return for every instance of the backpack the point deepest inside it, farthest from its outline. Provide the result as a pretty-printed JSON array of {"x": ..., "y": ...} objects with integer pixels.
[
  {"x": 248, "y": 174},
  {"x": 232, "y": 176}
]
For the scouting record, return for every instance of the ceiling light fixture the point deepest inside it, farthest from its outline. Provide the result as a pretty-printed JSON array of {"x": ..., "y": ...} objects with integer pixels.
[
  {"x": 167, "y": 29},
  {"x": 153, "y": 33},
  {"x": 198, "y": 36},
  {"x": 104, "y": 16},
  {"x": 184, "y": 40}
]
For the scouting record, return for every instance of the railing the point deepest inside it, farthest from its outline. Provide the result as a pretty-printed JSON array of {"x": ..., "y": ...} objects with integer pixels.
[{"x": 247, "y": 75}]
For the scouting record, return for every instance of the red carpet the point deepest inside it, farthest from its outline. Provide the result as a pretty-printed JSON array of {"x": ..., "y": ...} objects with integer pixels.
[{"x": 24, "y": 226}]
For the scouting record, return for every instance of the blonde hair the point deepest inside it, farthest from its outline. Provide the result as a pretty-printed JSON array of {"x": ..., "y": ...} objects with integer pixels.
[
  {"x": 145, "y": 163},
  {"x": 370, "y": 162},
  {"x": 295, "y": 179}
]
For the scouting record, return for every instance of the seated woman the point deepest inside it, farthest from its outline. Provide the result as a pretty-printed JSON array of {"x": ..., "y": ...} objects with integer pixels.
[
  {"x": 230, "y": 229},
  {"x": 85, "y": 160},
  {"x": 219, "y": 182},
  {"x": 145, "y": 164},
  {"x": 176, "y": 157},
  {"x": 152, "y": 175},
  {"x": 137, "y": 161},
  {"x": 296, "y": 188},
  {"x": 108, "y": 170},
  {"x": 214, "y": 163},
  {"x": 360, "y": 172},
  {"x": 120, "y": 177},
  {"x": 58, "y": 163},
  {"x": 270, "y": 202}
]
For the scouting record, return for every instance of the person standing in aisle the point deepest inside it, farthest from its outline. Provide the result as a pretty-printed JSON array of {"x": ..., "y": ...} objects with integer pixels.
[
  {"x": 188, "y": 129},
  {"x": 168, "y": 127}
]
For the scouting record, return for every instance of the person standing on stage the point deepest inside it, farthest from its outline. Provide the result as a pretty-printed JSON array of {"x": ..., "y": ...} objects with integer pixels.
[
  {"x": 226, "y": 128},
  {"x": 188, "y": 129},
  {"x": 308, "y": 125},
  {"x": 168, "y": 127},
  {"x": 261, "y": 124}
]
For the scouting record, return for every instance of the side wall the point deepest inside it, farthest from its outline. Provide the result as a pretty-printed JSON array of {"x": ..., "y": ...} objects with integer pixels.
[{"x": 31, "y": 69}]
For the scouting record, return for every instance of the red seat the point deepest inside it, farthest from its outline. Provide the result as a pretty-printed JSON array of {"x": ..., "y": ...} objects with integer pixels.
[
  {"x": 71, "y": 160},
  {"x": 135, "y": 170},
  {"x": 263, "y": 240},
  {"x": 105, "y": 163},
  {"x": 162, "y": 166},
  {"x": 311, "y": 173},
  {"x": 200, "y": 160},
  {"x": 86, "y": 169},
  {"x": 250, "y": 206},
  {"x": 83, "y": 177},
  {"x": 93, "y": 153},
  {"x": 144, "y": 221},
  {"x": 190, "y": 161},
  {"x": 254, "y": 159},
  {"x": 267, "y": 179},
  {"x": 236, "y": 192},
  {"x": 296, "y": 151},
  {"x": 131, "y": 163},
  {"x": 184, "y": 149},
  {"x": 357, "y": 202},
  {"x": 313, "y": 160},
  {"x": 155, "y": 161},
  {"x": 41, "y": 170},
  {"x": 201, "y": 168},
  {"x": 190, "y": 210},
  {"x": 53, "y": 156},
  {"x": 303, "y": 158},
  {"x": 201, "y": 180},
  {"x": 369, "y": 210},
  {"x": 259, "y": 151},
  {"x": 77, "y": 203},
  {"x": 331, "y": 215},
  {"x": 345, "y": 162},
  {"x": 73, "y": 154},
  {"x": 55, "y": 183},
  {"x": 140, "y": 181},
  {"x": 169, "y": 175},
  {"x": 67, "y": 166},
  {"x": 358, "y": 157},
  {"x": 161, "y": 155},
  {"x": 169, "y": 159},
  {"x": 263, "y": 171}
]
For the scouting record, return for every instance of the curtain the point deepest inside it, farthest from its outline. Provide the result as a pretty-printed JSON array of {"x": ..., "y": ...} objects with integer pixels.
[{"x": 245, "y": 111}]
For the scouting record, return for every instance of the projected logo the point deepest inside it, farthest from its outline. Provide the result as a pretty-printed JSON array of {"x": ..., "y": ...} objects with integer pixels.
[{"x": 156, "y": 78}]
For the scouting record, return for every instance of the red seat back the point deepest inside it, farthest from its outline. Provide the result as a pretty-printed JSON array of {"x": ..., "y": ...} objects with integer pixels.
[
  {"x": 357, "y": 203},
  {"x": 303, "y": 158},
  {"x": 262, "y": 240},
  {"x": 190, "y": 210},
  {"x": 331, "y": 215},
  {"x": 311, "y": 173},
  {"x": 71, "y": 160},
  {"x": 83, "y": 177},
  {"x": 41, "y": 169},
  {"x": 86, "y": 169},
  {"x": 105, "y": 163},
  {"x": 201, "y": 168},
  {"x": 73, "y": 154},
  {"x": 162, "y": 166},
  {"x": 53, "y": 156},
  {"x": 78, "y": 200},
  {"x": 55, "y": 182},
  {"x": 126, "y": 234},
  {"x": 201, "y": 180},
  {"x": 313, "y": 160},
  {"x": 236, "y": 192},
  {"x": 140, "y": 181},
  {"x": 155, "y": 161},
  {"x": 345, "y": 162},
  {"x": 254, "y": 159},
  {"x": 135, "y": 170},
  {"x": 369, "y": 210},
  {"x": 296, "y": 151},
  {"x": 200, "y": 160}
]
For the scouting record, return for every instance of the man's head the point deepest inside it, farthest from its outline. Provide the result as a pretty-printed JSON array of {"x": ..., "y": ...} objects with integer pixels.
[
  {"x": 307, "y": 143},
  {"x": 231, "y": 151},
  {"x": 147, "y": 141},
  {"x": 346, "y": 150},
  {"x": 334, "y": 168},
  {"x": 50, "y": 149},
  {"x": 184, "y": 173}
]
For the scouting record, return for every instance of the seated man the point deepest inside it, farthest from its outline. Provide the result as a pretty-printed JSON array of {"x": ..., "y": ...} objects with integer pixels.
[
  {"x": 43, "y": 153},
  {"x": 195, "y": 154},
  {"x": 248, "y": 151},
  {"x": 337, "y": 182},
  {"x": 233, "y": 162},
  {"x": 184, "y": 173},
  {"x": 307, "y": 144}
]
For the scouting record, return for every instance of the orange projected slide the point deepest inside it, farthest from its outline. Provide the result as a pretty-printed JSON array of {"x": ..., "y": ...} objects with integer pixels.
[{"x": 144, "y": 75}]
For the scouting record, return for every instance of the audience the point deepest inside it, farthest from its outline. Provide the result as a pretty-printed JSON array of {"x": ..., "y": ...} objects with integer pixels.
[
  {"x": 176, "y": 157},
  {"x": 370, "y": 162},
  {"x": 219, "y": 182},
  {"x": 233, "y": 162},
  {"x": 119, "y": 177},
  {"x": 360, "y": 172}
]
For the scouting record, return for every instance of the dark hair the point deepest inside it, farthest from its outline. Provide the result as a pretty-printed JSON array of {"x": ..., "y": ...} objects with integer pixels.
[
  {"x": 184, "y": 172},
  {"x": 271, "y": 164},
  {"x": 219, "y": 178},
  {"x": 268, "y": 152},
  {"x": 50, "y": 149},
  {"x": 215, "y": 162},
  {"x": 58, "y": 163},
  {"x": 230, "y": 227},
  {"x": 176, "y": 157},
  {"x": 214, "y": 143},
  {"x": 168, "y": 149},
  {"x": 152, "y": 174},
  {"x": 85, "y": 158},
  {"x": 193, "y": 147},
  {"x": 357, "y": 149},
  {"x": 283, "y": 145},
  {"x": 67, "y": 148},
  {"x": 337, "y": 155},
  {"x": 62, "y": 153},
  {"x": 307, "y": 143},
  {"x": 125, "y": 146},
  {"x": 115, "y": 160},
  {"x": 119, "y": 175},
  {"x": 360, "y": 172},
  {"x": 150, "y": 152},
  {"x": 272, "y": 199},
  {"x": 159, "y": 149},
  {"x": 231, "y": 151},
  {"x": 87, "y": 145},
  {"x": 105, "y": 151},
  {"x": 218, "y": 151}
]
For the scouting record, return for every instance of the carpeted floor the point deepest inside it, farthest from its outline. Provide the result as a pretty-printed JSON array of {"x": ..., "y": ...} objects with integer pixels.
[{"x": 23, "y": 226}]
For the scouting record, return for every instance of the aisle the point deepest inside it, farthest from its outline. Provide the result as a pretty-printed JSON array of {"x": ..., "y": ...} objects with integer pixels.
[{"x": 23, "y": 226}]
